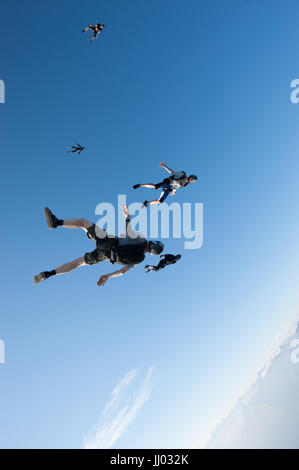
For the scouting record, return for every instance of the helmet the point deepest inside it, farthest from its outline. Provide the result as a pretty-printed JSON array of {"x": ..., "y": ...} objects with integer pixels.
[
  {"x": 193, "y": 177},
  {"x": 156, "y": 247}
]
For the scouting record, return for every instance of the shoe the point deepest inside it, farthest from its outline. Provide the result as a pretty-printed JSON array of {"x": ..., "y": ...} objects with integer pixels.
[
  {"x": 39, "y": 278},
  {"x": 146, "y": 266},
  {"x": 145, "y": 204},
  {"x": 51, "y": 219},
  {"x": 136, "y": 186}
]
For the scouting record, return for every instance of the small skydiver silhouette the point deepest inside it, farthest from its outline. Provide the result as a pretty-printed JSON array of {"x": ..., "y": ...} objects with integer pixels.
[
  {"x": 165, "y": 261},
  {"x": 96, "y": 28},
  {"x": 76, "y": 148},
  {"x": 169, "y": 185}
]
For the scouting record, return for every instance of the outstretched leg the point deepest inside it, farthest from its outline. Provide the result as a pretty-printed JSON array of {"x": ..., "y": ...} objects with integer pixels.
[
  {"x": 54, "y": 222},
  {"x": 65, "y": 268},
  {"x": 163, "y": 196},
  {"x": 93, "y": 37},
  {"x": 149, "y": 185},
  {"x": 149, "y": 203},
  {"x": 77, "y": 223},
  {"x": 154, "y": 201}
]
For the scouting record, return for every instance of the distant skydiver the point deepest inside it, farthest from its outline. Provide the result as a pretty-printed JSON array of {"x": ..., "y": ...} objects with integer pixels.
[
  {"x": 96, "y": 28},
  {"x": 76, "y": 148},
  {"x": 169, "y": 185},
  {"x": 127, "y": 251},
  {"x": 165, "y": 261}
]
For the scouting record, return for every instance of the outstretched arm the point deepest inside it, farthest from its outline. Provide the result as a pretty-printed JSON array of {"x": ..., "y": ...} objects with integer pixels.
[
  {"x": 129, "y": 231},
  {"x": 127, "y": 216},
  {"x": 178, "y": 174},
  {"x": 163, "y": 165},
  {"x": 103, "y": 279}
]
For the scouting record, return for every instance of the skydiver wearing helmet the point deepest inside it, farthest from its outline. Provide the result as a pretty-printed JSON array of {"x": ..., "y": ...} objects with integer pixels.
[
  {"x": 128, "y": 251},
  {"x": 169, "y": 185},
  {"x": 96, "y": 28}
]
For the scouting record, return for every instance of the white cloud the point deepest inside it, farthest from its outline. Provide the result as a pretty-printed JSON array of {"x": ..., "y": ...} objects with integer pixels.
[
  {"x": 120, "y": 411},
  {"x": 266, "y": 415}
]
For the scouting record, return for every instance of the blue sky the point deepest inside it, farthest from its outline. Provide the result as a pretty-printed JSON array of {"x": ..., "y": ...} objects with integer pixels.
[{"x": 205, "y": 86}]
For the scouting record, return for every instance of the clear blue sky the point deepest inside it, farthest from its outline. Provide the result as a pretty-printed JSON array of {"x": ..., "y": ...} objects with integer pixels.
[{"x": 205, "y": 86}]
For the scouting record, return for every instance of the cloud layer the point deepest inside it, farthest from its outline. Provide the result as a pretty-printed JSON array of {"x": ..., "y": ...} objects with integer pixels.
[
  {"x": 267, "y": 415},
  {"x": 120, "y": 411}
]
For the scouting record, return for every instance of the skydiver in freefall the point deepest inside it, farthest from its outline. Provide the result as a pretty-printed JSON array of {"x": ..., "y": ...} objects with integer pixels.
[
  {"x": 127, "y": 251},
  {"x": 96, "y": 29},
  {"x": 165, "y": 261},
  {"x": 169, "y": 185},
  {"x": 76, "y": 148}
]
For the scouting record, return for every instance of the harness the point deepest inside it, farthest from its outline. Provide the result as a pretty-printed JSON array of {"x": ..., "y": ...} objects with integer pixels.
[
  {"x": 179, "y": 182},
  {"x": 127, "y": 254}
]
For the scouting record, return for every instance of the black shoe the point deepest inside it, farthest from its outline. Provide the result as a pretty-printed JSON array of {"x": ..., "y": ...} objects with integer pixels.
[
  {"x": 145, "y": 204},
  {"x": 136, "y": 186},
  {"x": 39, "y": 278},
  {"x": 146, "y": 266},
  {"x": 51, "y": 219}
]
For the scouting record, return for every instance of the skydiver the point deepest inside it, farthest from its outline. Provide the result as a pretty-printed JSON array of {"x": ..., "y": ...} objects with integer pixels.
[
  {"x": 96, "y": 28},
  {"x": 169, "y": 185},
  {"x": 127, "y": 251},
  {"x": 76, "y": 148},
  {"x": 165, "y": 261}
]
